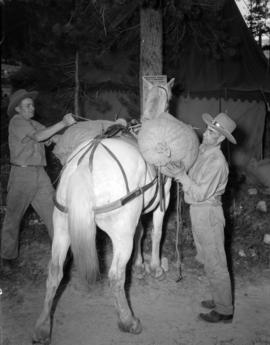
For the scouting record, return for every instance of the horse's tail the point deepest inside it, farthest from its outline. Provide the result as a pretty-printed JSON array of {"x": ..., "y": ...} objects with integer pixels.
[{"x": 82, "y": 227}]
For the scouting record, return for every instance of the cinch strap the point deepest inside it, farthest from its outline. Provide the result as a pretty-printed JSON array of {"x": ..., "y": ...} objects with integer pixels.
[
  {"x": 115, "y": 204},
  {"x": 121, "y": 202}
]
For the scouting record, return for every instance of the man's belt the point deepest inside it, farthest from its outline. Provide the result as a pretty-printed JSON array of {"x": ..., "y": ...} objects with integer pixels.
[{"x": 26, "y": 165}]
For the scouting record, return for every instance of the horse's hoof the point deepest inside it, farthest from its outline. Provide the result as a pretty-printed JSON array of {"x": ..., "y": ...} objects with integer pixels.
[
  {"x": 139, "y": 271},
  {"x": 41, "y": 337},
  {"x": 134, "y": 327},
  {"x": 46, "y": 341},
  {"x": 158, "y": 273}
]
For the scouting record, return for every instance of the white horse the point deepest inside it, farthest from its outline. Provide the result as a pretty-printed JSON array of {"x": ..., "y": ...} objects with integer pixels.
[{"x": 106, "y": 183}]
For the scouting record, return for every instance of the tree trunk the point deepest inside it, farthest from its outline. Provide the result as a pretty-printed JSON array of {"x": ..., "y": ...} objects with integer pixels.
[
  {"x": 77, "y": 86},
  {"x": 151, "y": 61}
]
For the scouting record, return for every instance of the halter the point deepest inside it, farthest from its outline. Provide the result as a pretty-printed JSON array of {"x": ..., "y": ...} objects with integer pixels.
[{"x": 166, "y": 91}]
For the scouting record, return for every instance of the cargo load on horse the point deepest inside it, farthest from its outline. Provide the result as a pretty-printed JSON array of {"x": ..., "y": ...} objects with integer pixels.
[
  {"x": 165, "y": 139},
  {"x": 79, "y": 133}
]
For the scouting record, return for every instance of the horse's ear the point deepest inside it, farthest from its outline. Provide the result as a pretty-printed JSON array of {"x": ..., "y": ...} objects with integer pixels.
[{"x": 171, "y": 82}]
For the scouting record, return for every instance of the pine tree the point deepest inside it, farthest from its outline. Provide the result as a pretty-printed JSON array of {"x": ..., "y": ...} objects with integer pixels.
[{"x": 259, "y": 13}]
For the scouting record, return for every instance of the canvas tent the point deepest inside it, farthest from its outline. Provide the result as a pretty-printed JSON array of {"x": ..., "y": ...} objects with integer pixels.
[{"x": 239, "y": 86}]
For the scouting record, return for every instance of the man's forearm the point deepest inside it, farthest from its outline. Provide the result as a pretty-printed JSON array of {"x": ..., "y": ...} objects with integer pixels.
[{"x": 48, "y": 132}]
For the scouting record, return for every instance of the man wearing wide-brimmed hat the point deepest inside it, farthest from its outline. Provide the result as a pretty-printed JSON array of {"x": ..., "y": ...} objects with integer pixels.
[
  {"x": 203, "y": 188},
  {"x": 28, "y": 182}
]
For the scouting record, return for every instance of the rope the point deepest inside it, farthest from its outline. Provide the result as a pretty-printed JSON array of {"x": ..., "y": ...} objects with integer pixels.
[
  {"x": 161, "y": 191},
  {"x": 179, "y": 227},
  {"x": 80, "y": 117}
]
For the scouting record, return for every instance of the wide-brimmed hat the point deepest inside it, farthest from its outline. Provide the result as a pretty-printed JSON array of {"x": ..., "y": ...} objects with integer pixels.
[
  {"x": 221, "y": 123},
  {"x": 17, "y": 97}
]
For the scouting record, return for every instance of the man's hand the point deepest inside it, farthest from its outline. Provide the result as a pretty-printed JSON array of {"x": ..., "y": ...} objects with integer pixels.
[
  {"x": 174, "y": 169},
  {"x": 121, "y": 121},
  {"x": 68, "y": 120}
]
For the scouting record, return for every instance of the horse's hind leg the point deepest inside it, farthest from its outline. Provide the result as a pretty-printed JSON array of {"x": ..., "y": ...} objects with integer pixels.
[
  {"x": 122, "y": 248},
  {"x": 138, "y": 266},
  {"x": 61, "y": 243}
]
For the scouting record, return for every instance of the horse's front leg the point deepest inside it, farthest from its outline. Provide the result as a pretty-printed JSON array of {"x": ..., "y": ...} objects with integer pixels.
[
  {"x": 61, "y": 243},
  {"x": 158, "y": 216}
]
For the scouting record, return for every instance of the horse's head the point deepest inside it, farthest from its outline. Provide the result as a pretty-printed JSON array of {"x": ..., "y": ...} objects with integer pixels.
[{"x": 157, "y": 99}]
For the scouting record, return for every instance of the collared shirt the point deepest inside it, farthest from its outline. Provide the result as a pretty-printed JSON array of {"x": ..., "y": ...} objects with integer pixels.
[
  {"x": 31, "y": 152},
  {"x": 207, "y": 178}
]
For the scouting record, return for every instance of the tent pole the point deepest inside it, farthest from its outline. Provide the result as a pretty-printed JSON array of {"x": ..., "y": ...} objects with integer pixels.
[
  {"x": 219, "y": 104},
  {"x": 264, "y": 145},
  {"x": 225, "y": 95}
]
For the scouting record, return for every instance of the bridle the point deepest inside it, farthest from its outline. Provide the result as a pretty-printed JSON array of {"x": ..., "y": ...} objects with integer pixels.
[{"x": 166, "y": 91}]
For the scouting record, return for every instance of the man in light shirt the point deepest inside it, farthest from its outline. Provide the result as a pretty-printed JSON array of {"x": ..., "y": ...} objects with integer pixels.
[
  {"x": 28, "y": 182},
  {"x": 203, "y": 187}
]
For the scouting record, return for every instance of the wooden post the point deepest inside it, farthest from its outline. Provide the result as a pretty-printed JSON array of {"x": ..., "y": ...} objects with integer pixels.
[
  {"x": 77, "y": 86},
  {"x": 151, "y": 59}
]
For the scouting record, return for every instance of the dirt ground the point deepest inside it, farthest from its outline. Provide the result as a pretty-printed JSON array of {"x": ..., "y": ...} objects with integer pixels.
[{"x": 167, "y": 309}]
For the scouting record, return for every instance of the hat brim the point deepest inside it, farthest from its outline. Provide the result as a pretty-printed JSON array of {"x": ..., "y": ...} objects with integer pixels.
[
  {"x": 11, "y": 108},
  {"x": 208, "y": 119}
]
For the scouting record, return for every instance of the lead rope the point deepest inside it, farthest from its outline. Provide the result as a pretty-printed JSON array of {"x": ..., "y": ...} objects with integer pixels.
[
  {"x": 161, "y": 191},
  {"x": 179, "y": 228}
]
